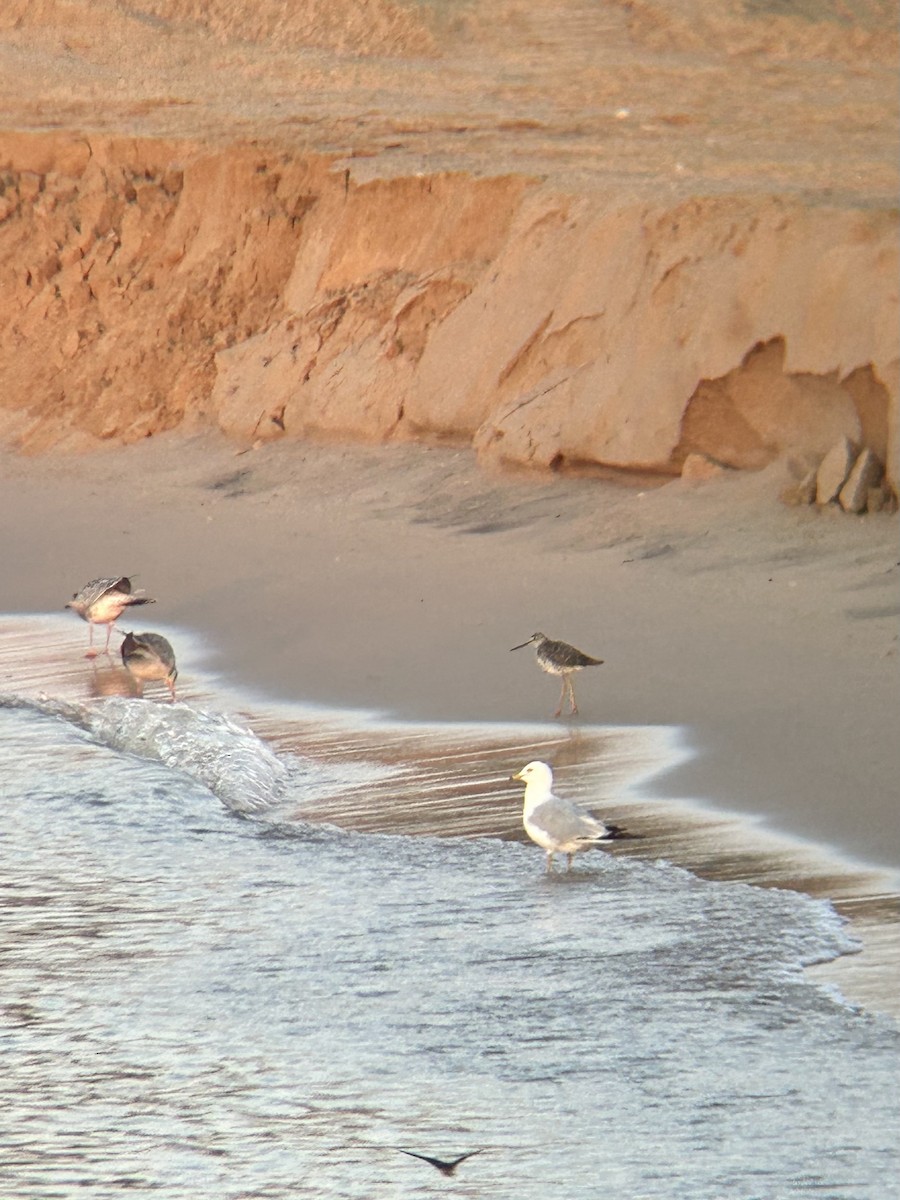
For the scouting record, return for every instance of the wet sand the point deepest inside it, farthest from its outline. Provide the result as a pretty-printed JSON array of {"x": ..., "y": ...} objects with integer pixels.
[{"x": 394, "y": 580}]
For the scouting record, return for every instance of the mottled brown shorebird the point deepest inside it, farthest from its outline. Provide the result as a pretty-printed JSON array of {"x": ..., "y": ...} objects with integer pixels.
[
  {"x": 555, "y": 824},
  {"x": 445, "y": 1166},
  {"x": 148, "y": 656},
  {"x": 559, "y": 658},
  {"x": 102, "y": 602}
]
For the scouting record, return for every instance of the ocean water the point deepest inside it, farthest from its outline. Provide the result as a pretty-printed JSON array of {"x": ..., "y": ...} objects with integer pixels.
[{"x": 205, "y": 993}]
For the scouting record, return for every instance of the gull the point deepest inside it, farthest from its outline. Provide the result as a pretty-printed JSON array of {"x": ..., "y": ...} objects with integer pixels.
[
  {"x": 559, "y": 658},
  {"x": 446, "y": 1167},
  {"x": 102, "y": 602},
  {"x": 555, "y": 824},
  {"x": 149, "y": 656}
]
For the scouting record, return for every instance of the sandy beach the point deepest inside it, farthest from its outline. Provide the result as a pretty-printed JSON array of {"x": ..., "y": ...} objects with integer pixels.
[
  {"x": 368, "y": 342},
  {"x": 396, "y": 579}
]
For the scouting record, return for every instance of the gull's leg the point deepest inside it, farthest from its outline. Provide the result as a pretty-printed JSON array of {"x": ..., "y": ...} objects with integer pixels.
[
  {"x": 569, "y": 858},
  {"x": 170, "y": 683},
  {"x": 549, "y": 861}
]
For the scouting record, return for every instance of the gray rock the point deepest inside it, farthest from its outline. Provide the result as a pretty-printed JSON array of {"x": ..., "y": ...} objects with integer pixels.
[
  {"x": 832, "y": 474},
  {"x": 876, "y": 499},
  {"x": 866, "y": 473},
  {"x": 802, "y": 492},
  {"x": 882, "y": 499},
  {"x": 697, "y": 468},
  {"x": 807, "y": 487}
]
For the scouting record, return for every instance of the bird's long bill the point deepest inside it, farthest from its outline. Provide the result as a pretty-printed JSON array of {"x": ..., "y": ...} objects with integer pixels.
[{"x": 521, "y": 645}]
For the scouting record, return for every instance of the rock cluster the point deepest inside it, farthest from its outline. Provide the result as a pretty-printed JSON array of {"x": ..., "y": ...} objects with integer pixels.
[
  {"x": 697, "y": 468},
  {"x": 849, "y": 476}
]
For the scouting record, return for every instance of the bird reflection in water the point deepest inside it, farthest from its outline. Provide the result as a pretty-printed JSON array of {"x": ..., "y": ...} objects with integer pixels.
[{"x": 112, "y": 681}]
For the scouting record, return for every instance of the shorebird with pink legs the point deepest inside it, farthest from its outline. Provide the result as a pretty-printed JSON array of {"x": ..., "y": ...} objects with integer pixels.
[{"x": 102, "y": 602}]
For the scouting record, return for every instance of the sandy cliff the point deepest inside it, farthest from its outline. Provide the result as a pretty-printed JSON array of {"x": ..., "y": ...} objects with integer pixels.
[{"x": 579, "y": 233}]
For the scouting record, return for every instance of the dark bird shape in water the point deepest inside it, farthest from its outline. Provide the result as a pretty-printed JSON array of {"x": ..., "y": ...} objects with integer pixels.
[
  {"x": 559, "y": 658},
  {"x": 148, "y": 656},
  {"x": 445, "y": 1166},
  {"x": 556, "y": 824},
  {"x": 102, "y": 602}
]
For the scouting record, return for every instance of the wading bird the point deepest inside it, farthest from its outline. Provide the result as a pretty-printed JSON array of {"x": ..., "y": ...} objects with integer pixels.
[
  {"x": 149, "y": 656},
  {"x": 102, "y": 602},
  {"x": 555, "y": 824},
  {"x": 559, "y": 658}
]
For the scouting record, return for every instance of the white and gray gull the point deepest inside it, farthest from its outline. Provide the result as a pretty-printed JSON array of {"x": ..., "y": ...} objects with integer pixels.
[{"x": 556, "y": 824}]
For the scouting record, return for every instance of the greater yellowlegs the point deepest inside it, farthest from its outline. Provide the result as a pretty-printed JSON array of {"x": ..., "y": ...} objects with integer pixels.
[
  {"x": 102, "y": 602},
  {"x": 555, "y": 824},
  {"x": 148, "y": 656},
  {"x": 559, "y": 658},
  {"x": 445, "y": 1166}
]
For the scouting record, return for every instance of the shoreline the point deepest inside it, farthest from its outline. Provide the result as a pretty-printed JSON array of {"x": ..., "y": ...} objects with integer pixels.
[
  {"x": 450, "y": 780},
  {"x": 453, "y": 782},
  {"x": 395, "y": 579}
]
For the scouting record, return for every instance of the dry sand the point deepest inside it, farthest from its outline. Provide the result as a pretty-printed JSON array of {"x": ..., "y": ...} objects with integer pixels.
[{"x": 396, "y": 579}]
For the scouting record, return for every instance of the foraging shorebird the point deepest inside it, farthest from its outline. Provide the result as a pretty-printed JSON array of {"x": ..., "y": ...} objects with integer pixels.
[
  {"x": 102, "y": 602},
  {"x": 446, "y": 1167},
  {"x": 559, "y": 658},
  {"x": 555, "y": 824},
  {"x": 149, "y": 656}
]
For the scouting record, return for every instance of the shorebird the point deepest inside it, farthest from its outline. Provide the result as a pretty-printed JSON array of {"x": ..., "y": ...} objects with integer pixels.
[
  {"x": 102, "y": 602},
  {"x": 446, "y": 1167},
  {"x": 555, "y": 824},
  {"x": 149, "y": 656},
  {"x": 559, "y": 658}
]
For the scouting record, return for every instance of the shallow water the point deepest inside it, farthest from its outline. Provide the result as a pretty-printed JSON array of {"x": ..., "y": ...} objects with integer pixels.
[{"x": 205, "y": 994}]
